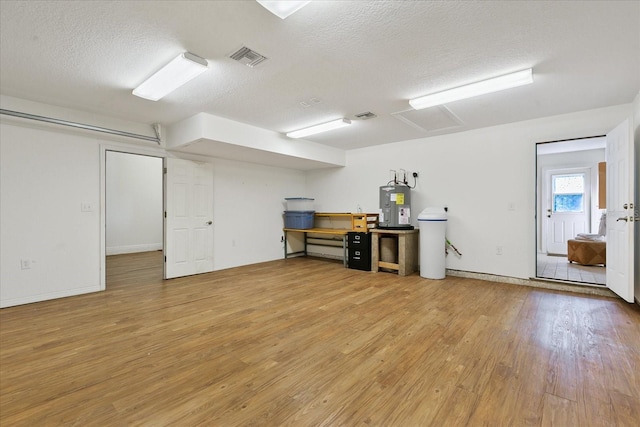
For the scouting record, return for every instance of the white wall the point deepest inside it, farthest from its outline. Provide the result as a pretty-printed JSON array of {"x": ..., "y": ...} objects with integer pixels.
[
  {"x": 133, "y": 203},
  {"x": 248, "y": 202},
  {"x": 478, "y": 174},
  {"x": 247, "y": 210},
  {"x": 48, "y": 172},
  {"x": 45, "y": 178}
]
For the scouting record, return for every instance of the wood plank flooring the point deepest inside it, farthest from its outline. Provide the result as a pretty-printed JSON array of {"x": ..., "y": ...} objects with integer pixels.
[{"x": 306, "y": 342}]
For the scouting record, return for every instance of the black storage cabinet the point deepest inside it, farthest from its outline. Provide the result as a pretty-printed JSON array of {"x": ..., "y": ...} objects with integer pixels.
[{"x": 359, "y": 245}]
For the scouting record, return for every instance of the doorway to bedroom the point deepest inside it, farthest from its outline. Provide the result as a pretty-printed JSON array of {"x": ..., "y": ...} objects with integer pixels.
[
  {"x": 133, "y": 216},
  {"x": 570, "y": 225}
]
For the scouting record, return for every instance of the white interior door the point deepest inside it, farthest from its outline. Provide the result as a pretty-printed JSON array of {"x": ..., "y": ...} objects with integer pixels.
[
  {"x": 567, "y": 207},
  {"x": 188, "y": 235},
  {"x": 620, "y": 211}
]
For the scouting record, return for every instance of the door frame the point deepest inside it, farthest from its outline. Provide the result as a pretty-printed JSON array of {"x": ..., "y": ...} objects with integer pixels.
[
  {"x": 540, "y": 243},
  {"x": 126, "y": 149}
]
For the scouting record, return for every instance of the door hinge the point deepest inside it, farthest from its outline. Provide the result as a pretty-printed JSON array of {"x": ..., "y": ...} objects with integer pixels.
[
  {"x": 165, "y": 259},
  {"x": 164, "y": 170},
  {"x": 165, "y": 214}
]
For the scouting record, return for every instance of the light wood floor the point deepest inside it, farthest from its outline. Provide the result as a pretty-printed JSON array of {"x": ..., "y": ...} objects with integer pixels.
[{"x": 306, "y": 342}]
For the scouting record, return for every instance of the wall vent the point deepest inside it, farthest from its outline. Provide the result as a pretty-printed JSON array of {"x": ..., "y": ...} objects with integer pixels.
[
  {"x": 248, "y": 57},
  {"x": 365, "y": 116}
]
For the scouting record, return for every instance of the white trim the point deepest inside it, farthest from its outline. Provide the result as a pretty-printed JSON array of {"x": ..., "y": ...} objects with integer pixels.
[
  {"x": 131, "y": 249},
  {"x": 48, "y": 296}
]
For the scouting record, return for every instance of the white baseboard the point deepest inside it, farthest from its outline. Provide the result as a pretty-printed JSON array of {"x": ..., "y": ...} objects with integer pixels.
[
  {"x": 130, "y": 249},
  {"x": 10, "y": 302},
  {"x": 537, "y": 283}
]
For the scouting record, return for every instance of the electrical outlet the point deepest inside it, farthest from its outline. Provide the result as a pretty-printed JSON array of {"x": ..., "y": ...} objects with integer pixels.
[
  {"x": 498, "y": 250},
  {"x": 25, "y": 264},
  {"x": 86, "y": 207}
]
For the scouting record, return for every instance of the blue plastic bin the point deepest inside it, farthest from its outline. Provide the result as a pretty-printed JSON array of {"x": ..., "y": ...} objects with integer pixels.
[{"x": 298, "y": 219}]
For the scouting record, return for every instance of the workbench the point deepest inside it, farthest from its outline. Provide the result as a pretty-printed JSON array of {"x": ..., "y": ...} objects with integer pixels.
[
  {"x": 331, "y": 228},
  {"x": 329, "y": 233}
]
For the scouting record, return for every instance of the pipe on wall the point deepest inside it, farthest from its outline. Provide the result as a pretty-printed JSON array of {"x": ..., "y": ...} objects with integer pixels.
[{"x": 61, "y": 122}]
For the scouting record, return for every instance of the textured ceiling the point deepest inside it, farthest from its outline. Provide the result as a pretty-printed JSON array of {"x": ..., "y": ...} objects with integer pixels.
[{"x": 331, "y": 59}]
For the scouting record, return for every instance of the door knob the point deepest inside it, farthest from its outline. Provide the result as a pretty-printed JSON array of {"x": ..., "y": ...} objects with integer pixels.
[{"x": 209, "y": 222}]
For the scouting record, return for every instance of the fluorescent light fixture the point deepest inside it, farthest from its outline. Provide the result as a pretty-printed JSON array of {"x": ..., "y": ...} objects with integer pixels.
[
  {"x": 183, "y": 68},
  {"x": 334, "y": 124},
  {"x": 282, "y": 9},
  {"x": 474, "y": 89}
]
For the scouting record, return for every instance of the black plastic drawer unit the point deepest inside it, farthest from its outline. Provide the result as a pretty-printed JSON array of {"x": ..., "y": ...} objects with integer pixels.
[{"x": 359, "y": 251}]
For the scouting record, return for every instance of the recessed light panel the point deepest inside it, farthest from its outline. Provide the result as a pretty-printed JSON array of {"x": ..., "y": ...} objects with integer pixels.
[{"x": 282, "y": 9}]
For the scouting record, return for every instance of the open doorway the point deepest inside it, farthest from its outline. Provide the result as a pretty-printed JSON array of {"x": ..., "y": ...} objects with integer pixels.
[
  {"x": 133, "y": 216},
  {"x": 570, "y": 232}
]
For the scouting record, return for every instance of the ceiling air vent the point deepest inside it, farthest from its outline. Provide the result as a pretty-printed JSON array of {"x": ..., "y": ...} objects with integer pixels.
[
  {"x": 248, "y": 57},
  {"x": 365, "y": 116}
]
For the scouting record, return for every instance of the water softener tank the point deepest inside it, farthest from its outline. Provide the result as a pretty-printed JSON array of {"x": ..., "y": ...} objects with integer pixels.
[{"x": 395, "y": 207}]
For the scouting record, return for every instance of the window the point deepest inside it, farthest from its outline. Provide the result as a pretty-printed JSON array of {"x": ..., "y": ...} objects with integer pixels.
[{"x": 568, "y": 193}]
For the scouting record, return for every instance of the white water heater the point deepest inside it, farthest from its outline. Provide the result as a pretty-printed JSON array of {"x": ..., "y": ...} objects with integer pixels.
[{"x": 395, "y": 207}]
